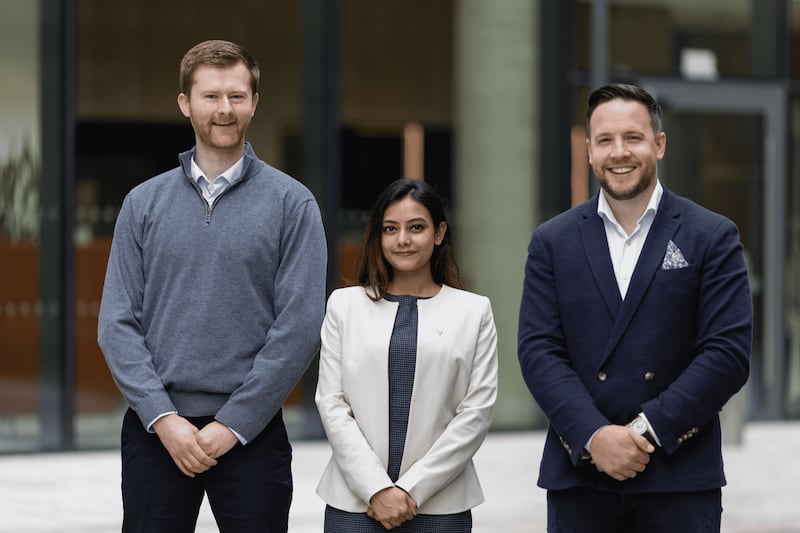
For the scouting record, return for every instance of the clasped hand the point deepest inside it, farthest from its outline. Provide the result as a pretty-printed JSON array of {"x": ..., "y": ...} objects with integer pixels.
[
  {"x": 619, "y": 452},
  {"x": 193, "y": 450},
  {"x": 391, "y": 507}
]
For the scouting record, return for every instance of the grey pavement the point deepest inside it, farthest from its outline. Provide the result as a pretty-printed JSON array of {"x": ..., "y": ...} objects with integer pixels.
[{"x": 79, "y": 492}]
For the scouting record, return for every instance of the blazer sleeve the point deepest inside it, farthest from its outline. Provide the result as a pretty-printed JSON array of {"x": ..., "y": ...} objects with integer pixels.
[
  {"x": 720, "y": 366},
  {"x": 466, "y": 431},
  {"x": 543, "y": 356},
  {"x": 363, "y": 470}
]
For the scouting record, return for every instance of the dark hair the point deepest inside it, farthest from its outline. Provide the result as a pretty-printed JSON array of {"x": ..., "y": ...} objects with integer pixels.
[
  {"x": 216, "y": 53},
  {"x": 374, "y": 272},
  {"x": 625, "y": 92}
]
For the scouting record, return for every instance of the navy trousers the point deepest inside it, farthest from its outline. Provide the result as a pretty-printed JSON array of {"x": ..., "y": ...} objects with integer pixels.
[
  {"x": 249, "y": 490},
  {"x": 591, "y": 511}
]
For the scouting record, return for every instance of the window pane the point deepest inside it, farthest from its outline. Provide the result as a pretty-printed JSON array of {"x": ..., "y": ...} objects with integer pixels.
[
  {"x": 20, "y": 167},
  {"x": 702, "y": 40}
]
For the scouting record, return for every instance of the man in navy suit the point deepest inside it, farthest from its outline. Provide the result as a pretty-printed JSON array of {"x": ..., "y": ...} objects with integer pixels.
[{"x": 635, "y": 328}]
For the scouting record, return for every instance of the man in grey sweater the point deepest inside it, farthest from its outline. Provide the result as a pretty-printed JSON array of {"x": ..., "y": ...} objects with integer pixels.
[{"x": 212, "y": 304}]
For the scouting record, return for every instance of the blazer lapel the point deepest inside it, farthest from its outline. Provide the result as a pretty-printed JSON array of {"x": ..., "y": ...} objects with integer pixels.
[
  {"x": 665, "y": 225},
  {"x": 595, "y": 245}
]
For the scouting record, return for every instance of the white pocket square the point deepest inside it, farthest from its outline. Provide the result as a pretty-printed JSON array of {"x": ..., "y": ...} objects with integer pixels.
[{"x": 673, "y": 258}]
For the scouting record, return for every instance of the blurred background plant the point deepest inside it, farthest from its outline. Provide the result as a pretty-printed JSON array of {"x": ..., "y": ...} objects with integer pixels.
[{"x": 19, "y": 194}]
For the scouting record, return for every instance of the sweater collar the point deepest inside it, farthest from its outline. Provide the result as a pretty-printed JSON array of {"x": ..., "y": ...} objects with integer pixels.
[{"x": 249, "y": 158}]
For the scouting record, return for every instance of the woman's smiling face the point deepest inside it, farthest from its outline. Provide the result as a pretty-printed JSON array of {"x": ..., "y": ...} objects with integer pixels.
[{"x": 408, "y": 237}]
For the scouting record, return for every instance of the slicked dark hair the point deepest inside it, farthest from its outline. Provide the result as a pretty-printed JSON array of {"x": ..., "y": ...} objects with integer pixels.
[
  {"x": 216, "y": 53},
  {"x": 374, "y": 272},
  {"x": 625, "y": 91}
]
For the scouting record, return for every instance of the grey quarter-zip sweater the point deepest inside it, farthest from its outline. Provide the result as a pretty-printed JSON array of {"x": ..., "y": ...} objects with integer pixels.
[{"x": 214, "y": 310}]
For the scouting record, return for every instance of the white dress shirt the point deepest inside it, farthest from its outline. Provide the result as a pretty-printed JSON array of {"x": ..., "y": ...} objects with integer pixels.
[
  {"x": 625, "y": 250},
  {"x": 212, "y": 189}
]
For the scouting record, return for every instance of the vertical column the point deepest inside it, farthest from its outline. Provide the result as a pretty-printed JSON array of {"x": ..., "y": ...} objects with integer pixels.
[
  {"x": 56, "y": 265},
  {"x": 769, "y": 39},
  {"x": 792, "y": 268},
  {"x": 559, "y": 158},
  {"x": 320, "y": 143},
  {"x": 495, "y": 179},
  {"x": 320, "y": 155}
]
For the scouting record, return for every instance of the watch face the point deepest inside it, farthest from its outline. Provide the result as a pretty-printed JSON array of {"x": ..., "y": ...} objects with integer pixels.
[{"x": 639, "y": 426}]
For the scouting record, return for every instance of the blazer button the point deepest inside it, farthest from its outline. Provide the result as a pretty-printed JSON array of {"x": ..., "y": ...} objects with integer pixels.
[
  {"x": 649, "y": 376},
  {"x": 602, "y": 376}
]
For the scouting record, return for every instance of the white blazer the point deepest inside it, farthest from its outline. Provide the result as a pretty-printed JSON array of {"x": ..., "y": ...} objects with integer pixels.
[{"x": 455, "y": 387}]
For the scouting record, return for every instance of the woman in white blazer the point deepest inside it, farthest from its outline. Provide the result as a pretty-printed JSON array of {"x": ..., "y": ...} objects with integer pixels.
[{"x": 407, "y": 377}]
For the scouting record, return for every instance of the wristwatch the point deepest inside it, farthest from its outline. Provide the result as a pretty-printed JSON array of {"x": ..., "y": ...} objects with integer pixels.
[{"x": 640, "y": 426}]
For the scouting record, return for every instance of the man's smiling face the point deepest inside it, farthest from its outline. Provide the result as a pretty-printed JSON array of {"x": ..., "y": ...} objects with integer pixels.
[
  {"x": 220, "y": 106},
  {"x": 623, "y": 148}
]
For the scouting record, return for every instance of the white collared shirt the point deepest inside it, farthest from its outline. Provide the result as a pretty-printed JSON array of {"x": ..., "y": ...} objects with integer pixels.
[
  {"x": 212, "y": 189},
  {"x": 625, "y": 249}
]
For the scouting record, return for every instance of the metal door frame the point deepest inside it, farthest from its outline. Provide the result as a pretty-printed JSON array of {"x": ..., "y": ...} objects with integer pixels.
[{"x": 770, "y": 100}]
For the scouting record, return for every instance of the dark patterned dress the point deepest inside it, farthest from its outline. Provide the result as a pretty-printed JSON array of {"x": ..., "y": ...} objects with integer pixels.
[{"x": 402, "y": 363}]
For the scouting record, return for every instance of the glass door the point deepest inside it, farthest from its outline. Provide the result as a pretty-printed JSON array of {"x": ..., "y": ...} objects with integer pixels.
[{"x": 726, "y": 150}]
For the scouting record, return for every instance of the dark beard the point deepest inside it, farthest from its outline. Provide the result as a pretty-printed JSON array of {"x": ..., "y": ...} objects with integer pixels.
[{"x": 639, "y": 187}]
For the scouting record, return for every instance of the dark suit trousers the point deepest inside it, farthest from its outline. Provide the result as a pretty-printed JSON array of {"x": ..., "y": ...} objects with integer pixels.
[
  {"x": 249, "y": 490},
  {"x": 590, "y": 511}
]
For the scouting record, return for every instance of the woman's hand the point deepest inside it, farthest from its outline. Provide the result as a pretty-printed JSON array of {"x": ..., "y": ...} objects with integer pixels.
[{"x": 391, "y": 507}]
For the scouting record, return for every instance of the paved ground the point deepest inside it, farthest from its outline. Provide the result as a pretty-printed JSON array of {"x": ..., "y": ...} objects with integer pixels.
[{"x": 79, "y": 492}]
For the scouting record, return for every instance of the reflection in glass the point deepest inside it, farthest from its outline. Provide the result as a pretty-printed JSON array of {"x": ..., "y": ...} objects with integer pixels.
[{"x": 20, "y": 169}]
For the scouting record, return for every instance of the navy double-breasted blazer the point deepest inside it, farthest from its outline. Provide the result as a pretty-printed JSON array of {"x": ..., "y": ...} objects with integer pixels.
[{"x": 677, "y": 347}]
